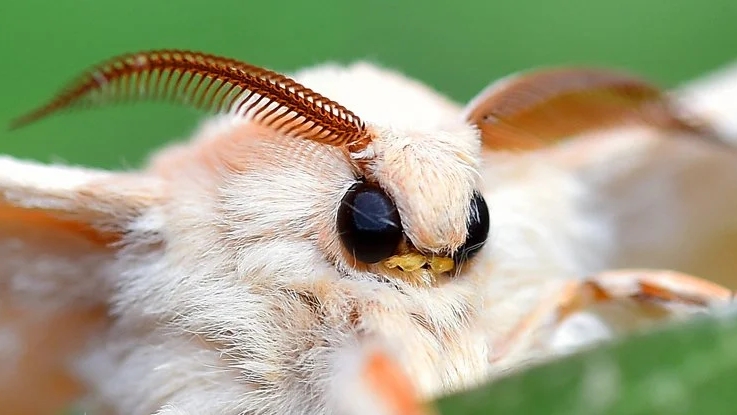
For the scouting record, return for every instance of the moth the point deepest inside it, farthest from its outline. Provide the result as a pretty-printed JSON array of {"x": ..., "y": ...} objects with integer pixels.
[{"x": 346, "y": 239}]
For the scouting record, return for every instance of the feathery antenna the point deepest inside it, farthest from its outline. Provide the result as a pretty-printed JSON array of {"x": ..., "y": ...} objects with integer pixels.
[{"x": 216, "y": 84}]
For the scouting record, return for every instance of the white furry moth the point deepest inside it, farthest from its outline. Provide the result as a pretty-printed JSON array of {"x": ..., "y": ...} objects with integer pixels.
[{"x": 278, "y": 261}]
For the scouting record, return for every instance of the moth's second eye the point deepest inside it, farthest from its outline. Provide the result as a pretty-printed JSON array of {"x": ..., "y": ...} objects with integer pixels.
[
  {"x": 478, "y": 229},
  {"x": 368, "y": 223}
]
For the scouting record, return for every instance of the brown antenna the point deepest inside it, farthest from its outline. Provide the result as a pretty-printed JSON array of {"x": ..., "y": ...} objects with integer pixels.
[{"x": 215, "y": 84}]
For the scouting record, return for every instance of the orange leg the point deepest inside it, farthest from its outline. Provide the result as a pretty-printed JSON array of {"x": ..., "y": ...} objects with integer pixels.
[
  {"x": 390, "y": 385},
  {"x": 370, "y": 382}
]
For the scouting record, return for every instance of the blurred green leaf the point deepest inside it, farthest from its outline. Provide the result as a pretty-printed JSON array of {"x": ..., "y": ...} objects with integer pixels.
[{"x": 685, "y": 368}]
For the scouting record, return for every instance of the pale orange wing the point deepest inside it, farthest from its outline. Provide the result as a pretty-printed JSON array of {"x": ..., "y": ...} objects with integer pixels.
[{"x": 58, "y": 226}]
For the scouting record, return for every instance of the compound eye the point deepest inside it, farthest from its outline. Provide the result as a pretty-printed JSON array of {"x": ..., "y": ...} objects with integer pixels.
[
  {"x": 368, "y": 223},
  {"x": 478, "y": 229}
]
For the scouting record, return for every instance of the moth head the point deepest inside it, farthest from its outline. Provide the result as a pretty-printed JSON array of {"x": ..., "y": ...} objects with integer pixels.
[
  {"x": 417, "y": 206},
  {"x": 376, "y": 199}
]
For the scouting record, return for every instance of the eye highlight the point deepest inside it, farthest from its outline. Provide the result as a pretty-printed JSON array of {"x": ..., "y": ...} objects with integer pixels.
[
  {"x": 478, "y": 229},
  {"x": 368, "y": 223}
]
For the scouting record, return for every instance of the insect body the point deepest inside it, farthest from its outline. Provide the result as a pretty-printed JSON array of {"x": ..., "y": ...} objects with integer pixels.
[{"x": 243, "y": 272}]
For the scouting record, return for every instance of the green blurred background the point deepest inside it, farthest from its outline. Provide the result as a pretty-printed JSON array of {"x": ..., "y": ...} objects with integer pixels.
[{"x": 456, "y": 46}]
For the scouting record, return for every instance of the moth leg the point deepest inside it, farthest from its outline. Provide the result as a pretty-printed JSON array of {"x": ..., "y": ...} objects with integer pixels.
[
  {"x": 370, "y": 382},
  {"x": 620, "y": 300},
  {"x": 573, "y": 293},
  {"x": 664, "y": 286}
]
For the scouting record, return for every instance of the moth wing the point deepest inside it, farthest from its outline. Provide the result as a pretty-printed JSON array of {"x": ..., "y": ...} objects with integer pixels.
[
  {"x": 60, "y": 228},
  {"x": 675, "y": 203},
  {"x": 658, "y": 168}
]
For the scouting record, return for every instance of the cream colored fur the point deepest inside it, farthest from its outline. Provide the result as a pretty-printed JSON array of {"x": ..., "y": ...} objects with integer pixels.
[{"x": 228, "y": 291}]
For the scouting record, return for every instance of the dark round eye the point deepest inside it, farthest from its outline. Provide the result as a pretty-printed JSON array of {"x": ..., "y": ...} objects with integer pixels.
[
  {"x": 368, "y": 223},
  {"x": 478, "y": 229}
]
